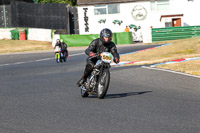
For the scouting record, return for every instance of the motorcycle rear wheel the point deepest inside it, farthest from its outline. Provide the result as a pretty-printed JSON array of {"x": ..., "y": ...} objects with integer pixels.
[
  {"x": 64, "y": 57},
  {"x": 61, "y": 60},
  {"x": 104, "y": 81}
]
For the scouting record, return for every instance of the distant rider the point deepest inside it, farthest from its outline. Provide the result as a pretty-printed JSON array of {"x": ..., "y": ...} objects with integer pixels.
[
  {"x": 64, "y": 47},
  {"x": 97, "y": 46},
  {"x": 58, "y": 43}
]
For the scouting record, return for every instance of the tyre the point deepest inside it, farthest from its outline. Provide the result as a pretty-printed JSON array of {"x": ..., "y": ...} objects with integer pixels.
[
  {"x": 57, "y": 58},
  {"x": 64, "y": 57},
  {"x": 104, "y": 81},
  {"x": 84, "y": 93},
  {"x": 60, "y": 59}
]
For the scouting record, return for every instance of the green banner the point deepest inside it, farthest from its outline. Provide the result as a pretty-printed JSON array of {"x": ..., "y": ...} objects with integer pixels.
[
  {"x": 124, "y": 38},
  {"x": 174, "y": 33},
  {"x": 78, "y": 40},
  {"x": 85, "y": 40}
]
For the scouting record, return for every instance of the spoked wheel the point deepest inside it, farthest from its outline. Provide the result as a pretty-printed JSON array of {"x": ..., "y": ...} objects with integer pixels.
[{"x": 103, "y": 85}]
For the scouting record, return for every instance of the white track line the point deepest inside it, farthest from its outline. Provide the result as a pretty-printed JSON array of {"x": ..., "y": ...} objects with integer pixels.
[
  {"x": 45, "y": 59},
  {"x": 159, "y": 69}
]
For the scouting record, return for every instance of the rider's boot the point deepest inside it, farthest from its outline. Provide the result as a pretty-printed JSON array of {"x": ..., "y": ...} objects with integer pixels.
[
  {"x": 87, "y": 72},
  {"x": 82, "y": 80}
]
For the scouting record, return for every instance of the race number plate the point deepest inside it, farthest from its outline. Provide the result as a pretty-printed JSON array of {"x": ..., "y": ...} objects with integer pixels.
[
  {"x": 107, "y": 57},
  {"x": 57, "y": 49}
]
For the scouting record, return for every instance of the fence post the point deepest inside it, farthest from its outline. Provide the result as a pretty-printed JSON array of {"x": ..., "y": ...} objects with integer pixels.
[
  {"x": 67, "y": 19},
  {"x": 4, "y": 16}
]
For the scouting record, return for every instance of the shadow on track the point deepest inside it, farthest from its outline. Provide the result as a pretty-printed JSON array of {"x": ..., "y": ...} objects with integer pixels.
[{"x": 121, "y": 95}]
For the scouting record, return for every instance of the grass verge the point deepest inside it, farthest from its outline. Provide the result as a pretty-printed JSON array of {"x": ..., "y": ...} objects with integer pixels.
[
  {"x": 14, "y": 46},
  {"x": 183, "y": 48},
  {"x": 190, "y": 67}
]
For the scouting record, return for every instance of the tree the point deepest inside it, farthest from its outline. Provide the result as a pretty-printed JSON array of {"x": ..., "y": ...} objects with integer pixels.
[{"x": 70, "y": 2}]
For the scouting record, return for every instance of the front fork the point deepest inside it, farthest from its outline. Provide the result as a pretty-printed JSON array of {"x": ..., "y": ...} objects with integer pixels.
[{"x": 100, "y": 74}]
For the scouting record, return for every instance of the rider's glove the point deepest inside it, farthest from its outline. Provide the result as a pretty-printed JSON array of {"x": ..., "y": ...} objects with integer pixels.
[
  {"x": 116, "y": 60},
  {"x": 91, "y": 54}
]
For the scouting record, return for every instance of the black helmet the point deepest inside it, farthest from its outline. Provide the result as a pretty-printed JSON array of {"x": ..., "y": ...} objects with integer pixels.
[
  {"x": 58, "y": 40},
  {"x": 106, "y": 33}
]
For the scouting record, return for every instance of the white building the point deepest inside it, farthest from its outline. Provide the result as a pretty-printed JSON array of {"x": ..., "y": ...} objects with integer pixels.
[{"x": 95, "y": 15}]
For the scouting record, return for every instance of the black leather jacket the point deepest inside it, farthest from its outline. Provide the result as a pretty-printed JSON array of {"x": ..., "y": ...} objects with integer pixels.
[
  {"x": 98, "y": 46},
  {"x": 57, "y": 44}
]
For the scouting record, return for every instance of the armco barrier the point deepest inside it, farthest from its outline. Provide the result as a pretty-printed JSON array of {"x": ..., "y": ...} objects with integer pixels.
[
  {"x": 85, "y": 40},
  {"x": 173, "y": 33},
  {"x": 39, "y": 34},
  {"x": 5, "y": 33}
]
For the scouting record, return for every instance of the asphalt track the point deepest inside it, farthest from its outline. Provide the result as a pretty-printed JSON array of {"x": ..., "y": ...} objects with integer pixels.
[{"x": 37, "y": 95}]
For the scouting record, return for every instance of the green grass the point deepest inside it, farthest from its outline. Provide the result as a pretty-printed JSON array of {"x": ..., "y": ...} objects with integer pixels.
[
  {"x": 183, "y": 48},
  {"x": 13, "y": 46}
]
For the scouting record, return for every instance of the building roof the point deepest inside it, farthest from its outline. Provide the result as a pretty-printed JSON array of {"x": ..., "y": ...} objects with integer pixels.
[{"x": 99, "y": 2}]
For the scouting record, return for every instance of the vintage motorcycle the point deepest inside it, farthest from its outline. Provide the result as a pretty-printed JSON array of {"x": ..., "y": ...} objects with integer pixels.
[{"x": 98, "y": 82}]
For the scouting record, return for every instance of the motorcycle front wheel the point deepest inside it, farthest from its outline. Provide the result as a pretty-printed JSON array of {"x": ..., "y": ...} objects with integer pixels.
[
  {"x": 103, "y": 84},
  {"x": 57, "y": 58}
]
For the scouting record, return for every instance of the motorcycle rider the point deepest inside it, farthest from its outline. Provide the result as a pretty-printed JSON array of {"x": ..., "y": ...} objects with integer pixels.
[
  {"x": 58, "y": 43},
  {"x": 97, "y": 46},
  {"x": 64, "y": 47}
]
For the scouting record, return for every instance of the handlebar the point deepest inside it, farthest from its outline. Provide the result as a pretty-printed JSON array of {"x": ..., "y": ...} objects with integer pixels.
[{"x": 98, "y": 56}]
